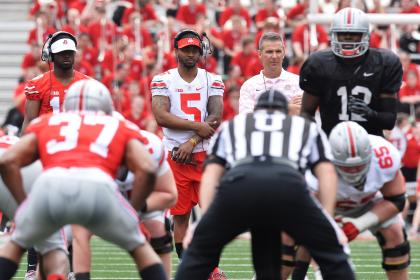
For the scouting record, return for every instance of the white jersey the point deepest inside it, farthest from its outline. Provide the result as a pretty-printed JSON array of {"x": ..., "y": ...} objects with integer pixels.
[
  {"x": 398, "y": 138},
  {"x": 188, "y": 101},
  {"x": 287, "y": 83},
  {"x": 384, "y": 166},
  {"x": 159, "y": 155}
]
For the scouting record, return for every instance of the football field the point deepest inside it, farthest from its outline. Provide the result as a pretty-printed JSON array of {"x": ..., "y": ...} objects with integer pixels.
[{"x": 109, "y": 262}]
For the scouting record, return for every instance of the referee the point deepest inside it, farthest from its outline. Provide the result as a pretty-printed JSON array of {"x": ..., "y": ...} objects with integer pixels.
[{"x": 257, "y": 161}]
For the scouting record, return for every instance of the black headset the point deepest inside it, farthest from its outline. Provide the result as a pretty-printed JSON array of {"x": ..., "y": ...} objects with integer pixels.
[
  {"x": 183, "y": 34},
  {"x": 46, "y": 53}
]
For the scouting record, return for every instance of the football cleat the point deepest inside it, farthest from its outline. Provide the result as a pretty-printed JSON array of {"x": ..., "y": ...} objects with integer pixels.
[
  {"x": 217, "y": 274},
  {"x": 30, "y": 275}
]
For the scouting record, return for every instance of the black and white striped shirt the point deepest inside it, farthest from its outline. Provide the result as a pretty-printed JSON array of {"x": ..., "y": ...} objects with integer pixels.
[{"x": 270, "y": 134}]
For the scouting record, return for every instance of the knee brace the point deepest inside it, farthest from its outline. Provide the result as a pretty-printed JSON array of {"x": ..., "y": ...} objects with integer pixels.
[
  {"x": 289, "y": 251},
  {"x": 162, "y": 245},
  {"x": 398, "y": 251}
]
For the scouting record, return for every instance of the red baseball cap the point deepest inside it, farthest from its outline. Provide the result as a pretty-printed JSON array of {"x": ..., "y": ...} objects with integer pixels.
[{"x": 189, "y": 42}]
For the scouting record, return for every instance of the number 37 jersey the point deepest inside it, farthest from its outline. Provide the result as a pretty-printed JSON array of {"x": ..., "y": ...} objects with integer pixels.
[
  {"x": 333, "y": 80},
  {"x": 82, "y": 140},
  {"x": 384, "y": 165},
  {"x": 188, "y": 101}
]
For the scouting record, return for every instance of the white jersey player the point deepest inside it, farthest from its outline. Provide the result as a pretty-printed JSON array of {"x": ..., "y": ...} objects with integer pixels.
[
  {"x": 188, "y": 102},
  {"x": 370, "y": 193}
]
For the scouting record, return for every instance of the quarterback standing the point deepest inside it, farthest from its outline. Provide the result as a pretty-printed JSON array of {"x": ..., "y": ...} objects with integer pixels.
[
  {"x": 45, "y": 93},
  {"x": 187, "y": 102},
  {"x": 352, "y": 82}
]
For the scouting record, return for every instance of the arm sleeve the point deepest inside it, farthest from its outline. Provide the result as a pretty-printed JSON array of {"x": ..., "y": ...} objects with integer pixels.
[
  {"x": 217, "y": 87},
  {"x": 387, "y": 117},
  {"x": 159, "y": 86},
  {"x": 309, "y": 81},
  {"x": 392, "y": 77},
  {"x": 31, "y": 91}
]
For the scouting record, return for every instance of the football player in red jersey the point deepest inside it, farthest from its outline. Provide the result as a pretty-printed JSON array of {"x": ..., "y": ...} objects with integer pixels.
[
  {"x": 80, "y": 151},
  {"x": 45, "y": 93}
]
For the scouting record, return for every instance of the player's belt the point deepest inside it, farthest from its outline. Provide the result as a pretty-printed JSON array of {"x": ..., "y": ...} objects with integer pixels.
[{"x": 267, "y": 159}]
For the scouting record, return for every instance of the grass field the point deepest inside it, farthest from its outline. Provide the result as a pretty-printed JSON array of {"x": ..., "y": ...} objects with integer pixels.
[{"x": 112, "y": 263}]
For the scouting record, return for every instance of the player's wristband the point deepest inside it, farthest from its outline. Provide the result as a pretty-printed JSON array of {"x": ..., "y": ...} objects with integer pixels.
[{"x": 193, "y": 141}]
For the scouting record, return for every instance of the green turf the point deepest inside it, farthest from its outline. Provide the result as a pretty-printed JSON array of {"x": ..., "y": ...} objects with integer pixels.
[{"x": 110, "y": 262}]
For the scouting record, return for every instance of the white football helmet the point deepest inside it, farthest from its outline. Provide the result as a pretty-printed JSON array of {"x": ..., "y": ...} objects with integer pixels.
[
  {"x": 350, "y": 20},
  {"x": 88, "y": 95},
  {"x": 352, "y": 151}
]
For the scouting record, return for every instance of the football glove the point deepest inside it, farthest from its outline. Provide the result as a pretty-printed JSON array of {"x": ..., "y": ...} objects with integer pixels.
[
  {"x": 357, "y": 106},
  {"x": 350, "y": 229}
]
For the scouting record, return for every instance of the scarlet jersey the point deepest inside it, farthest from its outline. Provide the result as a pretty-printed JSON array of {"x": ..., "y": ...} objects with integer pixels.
[
  {"x": 188, "y": 101},
  {"x": 385, "y": 163},
  {"x": 49, "y": 91},
  {"x": 82, "y": 140}
]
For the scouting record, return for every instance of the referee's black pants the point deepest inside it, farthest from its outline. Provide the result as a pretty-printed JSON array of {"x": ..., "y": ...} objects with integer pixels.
[{"x": 265, "y": 199}]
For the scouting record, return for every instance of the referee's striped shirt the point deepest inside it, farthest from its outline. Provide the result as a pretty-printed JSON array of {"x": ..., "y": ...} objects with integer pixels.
[{"x": 270, "y": 134}]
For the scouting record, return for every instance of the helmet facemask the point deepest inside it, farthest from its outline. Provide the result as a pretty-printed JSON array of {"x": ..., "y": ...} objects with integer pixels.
[
  {"x": 347, "y": 49},
  {"x": 354, "y": 170}
]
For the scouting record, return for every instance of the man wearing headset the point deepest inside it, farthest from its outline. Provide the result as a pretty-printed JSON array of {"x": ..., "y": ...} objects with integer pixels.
[
  {"x": 187, "y": 102},
  {"x": 45, "y": 93}
]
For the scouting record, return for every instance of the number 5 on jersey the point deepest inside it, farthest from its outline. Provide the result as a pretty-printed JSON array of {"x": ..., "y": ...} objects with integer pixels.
[{"x": 190, "y": 110}]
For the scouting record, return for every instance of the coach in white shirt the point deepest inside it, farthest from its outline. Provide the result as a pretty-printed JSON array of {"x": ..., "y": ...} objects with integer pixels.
[{"x": 271, "y": 52}]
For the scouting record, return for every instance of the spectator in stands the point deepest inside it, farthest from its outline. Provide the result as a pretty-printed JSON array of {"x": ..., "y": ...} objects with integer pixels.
[
  {"x": 74, "y": 24},
  {"x": 235, "y": 8},
  {"x": 139, "y": 114},
  {"x": 114, "y": 55},
  {"x": 102, "y": 30},
  {"x": 232, "y": 39},
  {"x": 146, "y": 9},
  {"x": 297, "y": 14},
  {"x": 136, "y": 32},
  {"x": 234, "y": 79},
  {"x": 42, "y": 29},
  {"x": 410, "y": 40},
  {"x": 245, "y": 55},
  {"x": 303, "y": 42},
  {"x": 381, "y": 37},
  {"x": 409, "y": 7},
  {"x": 269, "y": 10},
  {"x": 53, "y": 9},
  {"x": 410, "y": 90},
  {"x": 359, "y": 4},
  {"x": 231, "y": 105},
  {"x": 90, "y": 54},
  {"x": 188, "y": 13},
  {"x": 32, "y": 58},
  {"x": 83, "y": 66}
]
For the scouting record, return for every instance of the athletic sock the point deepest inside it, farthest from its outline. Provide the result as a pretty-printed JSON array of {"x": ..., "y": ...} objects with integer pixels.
[
  {"x": 153, "y": 272},
  {"x": 301, "y": 268},
  {"x": 32, "y": 260},
  {"x": 179, "y": 250},
  {"x": 83, "y": 276}
]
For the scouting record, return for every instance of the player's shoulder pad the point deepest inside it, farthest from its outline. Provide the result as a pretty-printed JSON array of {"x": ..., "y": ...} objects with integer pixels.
[
  {"x": 385, "y": 157},
  {"x": 161, "y": 81}
]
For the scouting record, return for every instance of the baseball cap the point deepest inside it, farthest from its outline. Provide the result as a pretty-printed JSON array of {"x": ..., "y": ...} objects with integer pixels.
[
  {"x": 272, "y": 99},
  {"x": 64, "y": 44},
  {"x": 182, "y": 43}
]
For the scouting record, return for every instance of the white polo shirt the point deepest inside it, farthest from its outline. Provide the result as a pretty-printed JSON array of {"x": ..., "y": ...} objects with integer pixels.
[{"x": 287, "y": 83}]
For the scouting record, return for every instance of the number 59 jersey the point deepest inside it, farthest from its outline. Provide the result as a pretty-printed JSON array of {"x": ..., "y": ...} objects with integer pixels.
[
  {"x": 332, "y": 80},
  {"x": 384, "y": 165},
  {"x": 82, "y": 140},
  {"x": 188, "y": 101}
]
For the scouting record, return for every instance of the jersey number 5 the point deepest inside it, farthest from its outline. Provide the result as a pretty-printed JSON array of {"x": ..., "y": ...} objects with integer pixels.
[
  {"x": 342, "y": 92},
  {"x": 385, "y": 160},
  {"x": 70, "y": 132},
  {"x": 185, "y": 98}
]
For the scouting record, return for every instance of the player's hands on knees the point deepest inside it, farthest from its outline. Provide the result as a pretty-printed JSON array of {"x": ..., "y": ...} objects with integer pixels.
[
  {"x": 204, "y": 130},
  {"x": 183, "y": 154},
  {"x": 348, "y": 227}
]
